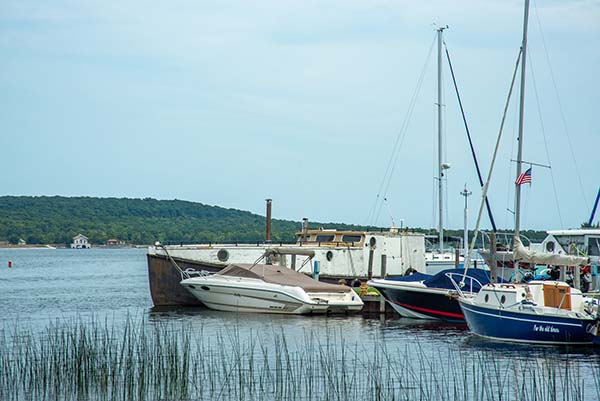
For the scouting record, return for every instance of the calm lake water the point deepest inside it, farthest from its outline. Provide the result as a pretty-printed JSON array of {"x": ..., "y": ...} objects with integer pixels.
[{"x": 45, "y": 286}]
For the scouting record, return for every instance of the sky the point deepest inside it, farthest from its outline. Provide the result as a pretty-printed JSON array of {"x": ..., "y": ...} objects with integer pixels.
[{"x": 230, "y": 102}]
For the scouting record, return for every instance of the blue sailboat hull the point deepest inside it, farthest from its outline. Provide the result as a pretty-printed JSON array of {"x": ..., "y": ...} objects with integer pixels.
[{"x": 525, "y": 327}]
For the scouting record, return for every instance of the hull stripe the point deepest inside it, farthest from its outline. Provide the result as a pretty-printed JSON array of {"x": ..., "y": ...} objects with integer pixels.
[{"x": 431, "y": 311}]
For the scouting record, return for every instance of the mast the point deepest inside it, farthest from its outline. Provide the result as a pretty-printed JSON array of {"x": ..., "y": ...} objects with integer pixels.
[
  {"x": 440, "y": 166},
  {"x": 521, "y": 111},
  {"x": 466, "y": 194}
]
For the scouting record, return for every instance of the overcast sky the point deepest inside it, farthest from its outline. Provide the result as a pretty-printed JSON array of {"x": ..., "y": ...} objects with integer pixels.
[{"x": 230, "y": 102}]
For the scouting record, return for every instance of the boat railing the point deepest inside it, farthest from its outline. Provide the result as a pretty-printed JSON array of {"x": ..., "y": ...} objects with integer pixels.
[
  {"x": 460, "y": 285},
  {"x": 503, "y": 240}
]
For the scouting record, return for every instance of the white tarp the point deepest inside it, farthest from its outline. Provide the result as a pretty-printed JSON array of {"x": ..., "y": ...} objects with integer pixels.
[{"x": 522, "y": 254}]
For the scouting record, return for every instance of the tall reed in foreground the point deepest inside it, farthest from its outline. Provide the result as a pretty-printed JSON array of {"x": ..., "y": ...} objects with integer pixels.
[{"x": 139, "y": 360}]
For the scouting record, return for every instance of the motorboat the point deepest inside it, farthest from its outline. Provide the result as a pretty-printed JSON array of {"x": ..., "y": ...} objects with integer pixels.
[
  {"x": 425, "y": 296},
  {"x": 262, "y": 288},
  {"x": 352, "y": 256}
]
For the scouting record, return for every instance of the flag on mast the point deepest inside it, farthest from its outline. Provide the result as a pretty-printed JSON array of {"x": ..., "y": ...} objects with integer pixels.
[{"x": 524, "y": 178}]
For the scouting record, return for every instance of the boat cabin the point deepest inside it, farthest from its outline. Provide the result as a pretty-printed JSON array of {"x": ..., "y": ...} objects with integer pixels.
[
  {"x": 584, "y": 242},
  {"x": 554, "y": 294},
  {"x": 331, "y": 237}
]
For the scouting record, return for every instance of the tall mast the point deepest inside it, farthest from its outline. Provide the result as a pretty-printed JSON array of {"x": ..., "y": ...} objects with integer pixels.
[
  {"x": 440, "y": 167},
  {"x": 521, "y": 111}
]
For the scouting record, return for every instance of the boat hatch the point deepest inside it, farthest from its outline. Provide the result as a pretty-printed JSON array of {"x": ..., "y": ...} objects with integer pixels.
[{"x": 557, "y": 296}]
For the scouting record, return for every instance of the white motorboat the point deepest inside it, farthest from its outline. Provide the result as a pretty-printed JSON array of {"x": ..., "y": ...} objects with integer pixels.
[{"x": 263, "y": 288}]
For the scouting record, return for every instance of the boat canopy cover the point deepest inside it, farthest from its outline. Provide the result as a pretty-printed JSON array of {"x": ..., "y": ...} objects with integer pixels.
[
  {"x": 280, "y": 275},
  {"x": 441, "y": 280},
  {"x": 522, "y": 254}
]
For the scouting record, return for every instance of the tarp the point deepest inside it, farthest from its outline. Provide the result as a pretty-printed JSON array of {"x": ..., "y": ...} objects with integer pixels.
[
  {"x": 522, "y": 254},
  {"x": 280, "y": 275},
  {"x": 441, "y": 280}
]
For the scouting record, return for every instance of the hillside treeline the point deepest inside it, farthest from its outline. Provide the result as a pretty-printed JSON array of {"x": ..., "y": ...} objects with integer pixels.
[{"x": 57, "y": 219}]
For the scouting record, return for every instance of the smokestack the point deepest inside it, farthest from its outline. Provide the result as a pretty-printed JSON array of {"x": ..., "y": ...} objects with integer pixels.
[
  {"x": 268, "y": 234},
  {"x": 304, "y": 229}
]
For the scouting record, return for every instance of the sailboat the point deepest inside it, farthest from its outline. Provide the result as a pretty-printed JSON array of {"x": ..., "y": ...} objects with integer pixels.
[
  {"x": 541, "y": 312},
  {"x": 441, "y": 258}
]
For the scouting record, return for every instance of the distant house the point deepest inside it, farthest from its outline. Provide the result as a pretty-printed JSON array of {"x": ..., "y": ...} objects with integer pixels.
[
  {"x": 115, "y": 242},
  {"x": 80, "y": 241}
]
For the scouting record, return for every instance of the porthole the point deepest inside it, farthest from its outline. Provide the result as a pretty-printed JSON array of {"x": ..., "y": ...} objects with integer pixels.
[
  {"x": 223, "y": 255},
  {"x": 550, "y": 246},
  {"x": 191, "y": 286},
  {"x": 205, "y": 288},
  {"x": 372, "y": 241},
  {"x": 502, "y": 299},
  {"x": 486, "y": 298},
  {"x": 329, "y": 255}
]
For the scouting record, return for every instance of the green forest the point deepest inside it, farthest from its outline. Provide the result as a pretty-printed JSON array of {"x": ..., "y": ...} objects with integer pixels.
[{"x": 57, "y": 219}]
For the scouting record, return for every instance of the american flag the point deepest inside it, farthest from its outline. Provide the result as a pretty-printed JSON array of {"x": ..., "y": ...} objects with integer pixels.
[{"x": 524, "y": 178}]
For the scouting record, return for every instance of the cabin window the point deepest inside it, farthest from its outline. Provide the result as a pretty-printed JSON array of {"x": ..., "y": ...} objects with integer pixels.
[
  {"x": 325, "y": 238},
  {"x": 486, "y": 298},
  {"x": 502, "y": 299},
  {"x": 594, "y": 246},
  {"x": 329, "y": 255},
  {"x": 351, "y": 238},
  {"x": 550, "y": 246},
  {"x": 572, "y": 244}
]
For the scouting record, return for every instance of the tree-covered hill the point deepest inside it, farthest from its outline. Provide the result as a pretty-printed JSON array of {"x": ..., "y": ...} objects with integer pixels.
[{"x": 56, "y": 220}]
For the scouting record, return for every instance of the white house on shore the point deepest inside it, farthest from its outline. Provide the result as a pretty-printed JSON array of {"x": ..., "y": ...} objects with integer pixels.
[{"x": 80, "y": 241}]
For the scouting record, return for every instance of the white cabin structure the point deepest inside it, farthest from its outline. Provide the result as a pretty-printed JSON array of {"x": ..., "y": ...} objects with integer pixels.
[{"x": 80, "y": 241}]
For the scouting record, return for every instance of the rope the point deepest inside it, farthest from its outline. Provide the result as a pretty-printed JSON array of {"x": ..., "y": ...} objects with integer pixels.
[
  {"x": 486, "y": 186},
  {"x": 562, "y": 114},
  {"x": 462, "y": 111},
  {"x": 539, "y": 108},
  {"x": 375, "y": 210},
  {"x": 184, "y": 274}
]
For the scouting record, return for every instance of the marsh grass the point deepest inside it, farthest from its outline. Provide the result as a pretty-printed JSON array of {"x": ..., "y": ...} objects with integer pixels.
[{"x": 138, "y": 360}]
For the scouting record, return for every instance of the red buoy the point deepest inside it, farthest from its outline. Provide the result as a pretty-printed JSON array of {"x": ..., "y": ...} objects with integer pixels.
[{"x": 10, "y": 263}]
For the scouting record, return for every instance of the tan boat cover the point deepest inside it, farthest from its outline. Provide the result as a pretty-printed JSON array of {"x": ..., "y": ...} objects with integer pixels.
[
  {"x": 280, "y": 275},
  {"x": 522, "y": 254}
]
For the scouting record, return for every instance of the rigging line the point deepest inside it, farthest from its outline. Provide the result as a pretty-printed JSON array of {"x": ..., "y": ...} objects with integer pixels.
[
  {"x": 402, "y": 134},
  {"x": 539, "y": 108},
  {"x": 509, "y": 180},
  {"x": 560, "y": 108},
  {"x": 489, "y": 176},
  {"x": 387, "y": 179},
  {"x": 400, "y": 138},
  {"x": 487, "y": 203}
]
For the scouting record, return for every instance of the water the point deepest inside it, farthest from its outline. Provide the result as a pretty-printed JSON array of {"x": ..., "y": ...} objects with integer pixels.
[{"x": 47, "y": 286}]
